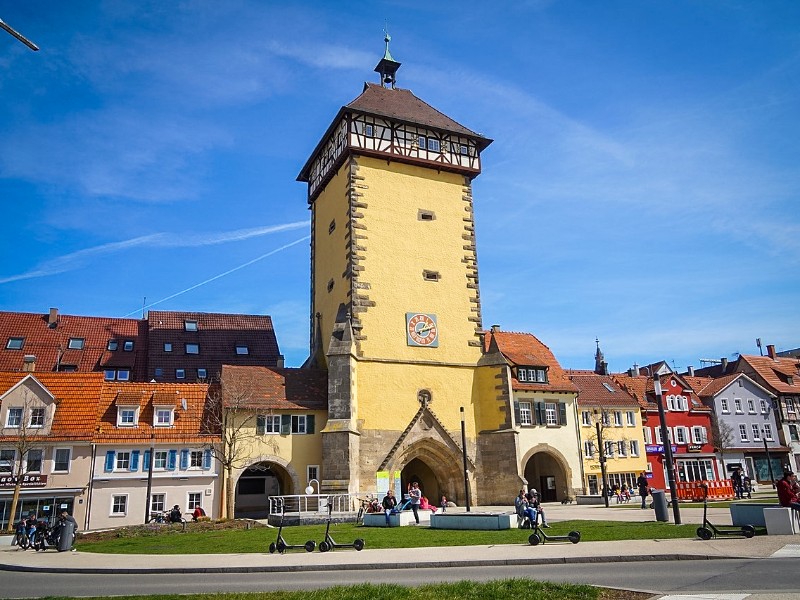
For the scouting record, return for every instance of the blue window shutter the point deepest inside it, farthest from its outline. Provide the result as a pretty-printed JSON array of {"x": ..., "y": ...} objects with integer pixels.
[
  {"x": 184, "y": 459},
  {"x": 146, "y": 461},
  {"x": 173, "y": 455},
  {"x": 207, "y": 459},
  {"x": 110, "y": 457},
  {"x": 134, "y": 460}
]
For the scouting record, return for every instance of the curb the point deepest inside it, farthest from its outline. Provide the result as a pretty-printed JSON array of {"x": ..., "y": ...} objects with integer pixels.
[{"x": 366, "y": 566}]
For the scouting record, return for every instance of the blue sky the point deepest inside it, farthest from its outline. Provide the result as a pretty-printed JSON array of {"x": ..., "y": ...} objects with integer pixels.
[{"x": 642, "y": 187}]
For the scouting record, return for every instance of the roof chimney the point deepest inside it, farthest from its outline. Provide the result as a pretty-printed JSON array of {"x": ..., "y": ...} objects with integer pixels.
[
  {"x": 495, "y": 328},
  {"x": 28, "y": 363},
  {"x": 281, "y": 362},
  {"x": 724, "y": 362},
  {"x": 52, "y": 320},
  {"x": 771, "y": 351},
  {"x": 691, "y": 370}
]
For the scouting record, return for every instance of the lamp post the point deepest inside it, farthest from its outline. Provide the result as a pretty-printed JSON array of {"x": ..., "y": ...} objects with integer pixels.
[
  {"x": 769, "y": 460},
  {"x": 310, "y": 488},
  {"x": 598, "y": 415},
  {"x": 668, "y": 463},
  {"x": 464, "y": 457}
]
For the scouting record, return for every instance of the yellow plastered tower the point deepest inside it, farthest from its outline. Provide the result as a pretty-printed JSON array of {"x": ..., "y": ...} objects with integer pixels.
[{"x": 395, "y": 305}]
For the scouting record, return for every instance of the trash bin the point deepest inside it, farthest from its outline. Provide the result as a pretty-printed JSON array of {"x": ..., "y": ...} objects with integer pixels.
[
  {"x": 66, "y": 535},
  {"x": 660, "y": 505}
]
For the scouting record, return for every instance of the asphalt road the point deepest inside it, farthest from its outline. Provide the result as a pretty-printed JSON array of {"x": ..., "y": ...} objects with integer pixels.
[{"x": 776, "y": 575}]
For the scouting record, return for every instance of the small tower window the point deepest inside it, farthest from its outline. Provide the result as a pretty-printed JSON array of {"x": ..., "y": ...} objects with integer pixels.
[
  {"x": 433, "y": 145},
  {"x": 330, "y": 285},
  {"x": 431, "y": 275},
  {"x": 426, "y": 215},
  {"x": 332, "y": 226},
  {"x": 368, "y": 130}
]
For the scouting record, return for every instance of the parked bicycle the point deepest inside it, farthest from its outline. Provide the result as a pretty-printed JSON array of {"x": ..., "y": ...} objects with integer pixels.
[
  {"x": 369, "y": 504},
  {"x": 21, "y": 539}
]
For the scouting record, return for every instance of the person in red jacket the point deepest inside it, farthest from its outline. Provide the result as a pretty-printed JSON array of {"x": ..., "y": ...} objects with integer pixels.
[{"x": 786, "y": 493}]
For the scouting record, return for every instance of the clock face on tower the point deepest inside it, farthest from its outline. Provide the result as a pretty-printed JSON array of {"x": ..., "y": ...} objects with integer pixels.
[{"x": 421, "y": 330}]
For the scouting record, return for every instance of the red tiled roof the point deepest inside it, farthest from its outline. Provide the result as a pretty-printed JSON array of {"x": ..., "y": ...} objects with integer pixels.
[
  {"x": 189, "y": 424},
  {"x": 643, "y": 389},
  {"x": 277, "y": 389},
  {"x": 217, "y": 336},
  {"x": 714, "y": 386},
  {"x": 593, "y": 392},
  {"x": 402, "y": 105},
  {"x": 774, "y": 372},
  {"x": 524, "y": 349},
  {"x": 76, "y": 395},
  {"x": 49, "y": 345}
]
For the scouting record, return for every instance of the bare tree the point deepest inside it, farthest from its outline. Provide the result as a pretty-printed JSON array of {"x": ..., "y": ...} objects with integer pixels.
[
  {"x": 723, "y": 438},
  {"x": 24, "y": 433},
  {"x": 232, "y": 414}
]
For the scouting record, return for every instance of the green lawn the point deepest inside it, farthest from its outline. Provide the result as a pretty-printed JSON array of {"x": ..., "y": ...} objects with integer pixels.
[
  {"x": 258, "y": 539},
  {"x": 503, "y": 589}
]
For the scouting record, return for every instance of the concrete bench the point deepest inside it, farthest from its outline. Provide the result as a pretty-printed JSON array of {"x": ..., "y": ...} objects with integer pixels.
[
  {"x": 780, "y": 521},
  {"x": 397, "y": 520},
  {"x": 471, "y": 521},
  {"x": 750, "y": 513}
]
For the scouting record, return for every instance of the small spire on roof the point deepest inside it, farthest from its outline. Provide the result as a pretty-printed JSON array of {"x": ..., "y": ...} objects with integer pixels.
[{"x": 387, "y": 67}]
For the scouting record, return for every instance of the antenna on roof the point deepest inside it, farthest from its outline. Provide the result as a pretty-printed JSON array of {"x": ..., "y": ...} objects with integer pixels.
[
  {"x": 144, "y": 305},
  {"x": 758, "y": 343}
]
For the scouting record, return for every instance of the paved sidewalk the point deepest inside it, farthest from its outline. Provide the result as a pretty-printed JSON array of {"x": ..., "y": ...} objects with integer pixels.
[{"x": 12, "y": 559}]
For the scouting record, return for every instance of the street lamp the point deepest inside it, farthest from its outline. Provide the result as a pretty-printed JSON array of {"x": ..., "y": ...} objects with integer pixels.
[
  {"x": 149, "y": 479},
  {"x": 673, "y": 490},
  {"x": 769, "y": 460},
  {"x": 464, "y": 456},
  {"x": 310, "y": 488},
  {"x": 598, "y": 415}
]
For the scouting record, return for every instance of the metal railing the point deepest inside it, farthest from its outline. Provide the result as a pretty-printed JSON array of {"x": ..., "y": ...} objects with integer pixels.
[{"x": 318, "y": 503}]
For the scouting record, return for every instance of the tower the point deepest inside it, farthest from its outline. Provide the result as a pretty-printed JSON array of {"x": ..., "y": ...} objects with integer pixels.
[{"x": 395, "y": 303}]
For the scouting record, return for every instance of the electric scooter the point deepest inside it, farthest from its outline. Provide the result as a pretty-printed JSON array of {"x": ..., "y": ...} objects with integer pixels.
[
  {"x": 328, "y": 543},
  {"x": 708, "y": 530},
  {"x": 539, "y": 535},
  {"x": 280, "y": 544}
]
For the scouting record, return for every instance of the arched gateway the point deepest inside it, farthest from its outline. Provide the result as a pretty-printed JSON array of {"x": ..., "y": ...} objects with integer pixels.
[
  {"x": 256, "y": 484},
  {"x": 548, "y": 471}
]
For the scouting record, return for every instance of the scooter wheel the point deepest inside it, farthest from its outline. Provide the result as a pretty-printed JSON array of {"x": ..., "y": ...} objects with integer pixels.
[
  {"x": 324, "y": 546},
  {"x": 358, "y": 544},
  {"x": 704, "y": 534},
  {"x": 574, "y": 536},
  {"x": 310, "y": 545},
  {"x": 272, "y": 548},
  {"x": 533, "y": 539},
  {"x": 281, "y": 547},
  {"x": 748, "y": 531}
]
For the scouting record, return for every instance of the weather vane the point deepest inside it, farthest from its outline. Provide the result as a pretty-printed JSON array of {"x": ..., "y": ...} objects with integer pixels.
[{"x": 18, "y": 35}]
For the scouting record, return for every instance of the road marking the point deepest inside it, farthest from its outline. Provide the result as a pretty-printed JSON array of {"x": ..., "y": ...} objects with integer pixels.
[
  {"x": 705, "y": 597},
  {"x": 789, "y": 550}
]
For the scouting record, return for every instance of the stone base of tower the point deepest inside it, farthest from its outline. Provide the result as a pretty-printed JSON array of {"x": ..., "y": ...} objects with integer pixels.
[
  {"x": 340, "y": 451},
  {"x": 498, "y": 479}
]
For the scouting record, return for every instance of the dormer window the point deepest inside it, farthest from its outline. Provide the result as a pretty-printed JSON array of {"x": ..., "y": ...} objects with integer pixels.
[
  {"x": 162, "y": 416},
  {"x": 15, "y": 343},
  {"x": 112, "y": 345},
  {"x": 127, "y": 416},
  {"x": 190, "y": 325},
  {"x": 128, "y": 346},
  {"x": 37, "y": 417},
  {"x": 76, "y": 343},
  {"x": 532, "y": 375}
]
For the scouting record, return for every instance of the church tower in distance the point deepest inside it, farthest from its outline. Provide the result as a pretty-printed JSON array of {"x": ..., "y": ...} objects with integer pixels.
[{"x": 395, "y": 303}]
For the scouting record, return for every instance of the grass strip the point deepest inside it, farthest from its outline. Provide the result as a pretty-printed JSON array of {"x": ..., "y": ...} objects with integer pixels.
[{"x": 257, "y": 540}]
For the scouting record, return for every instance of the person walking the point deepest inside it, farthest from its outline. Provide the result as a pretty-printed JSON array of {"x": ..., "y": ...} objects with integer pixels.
[
  {"x": 389, "y": 503},
  {"x": 643, "y": 485},
  {"x": 736, "y": 480},
  {"x": 415, "y": 495}
]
